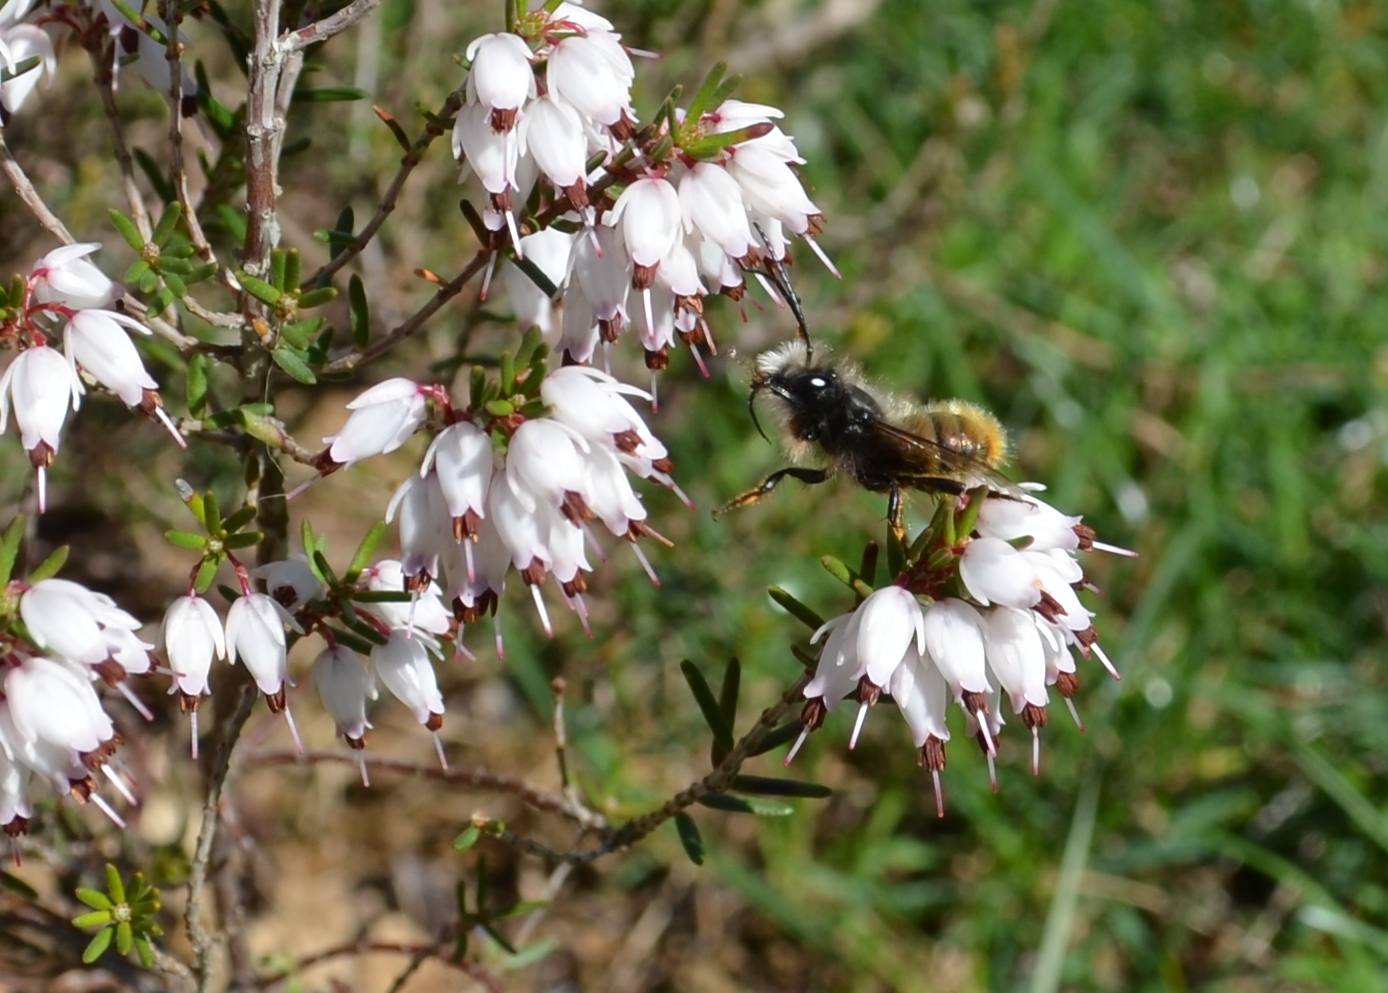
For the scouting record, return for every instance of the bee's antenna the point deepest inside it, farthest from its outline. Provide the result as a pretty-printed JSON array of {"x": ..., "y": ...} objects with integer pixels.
[
  {"x": 775, "y": 270},
  {"x": 758, "y": 385}
]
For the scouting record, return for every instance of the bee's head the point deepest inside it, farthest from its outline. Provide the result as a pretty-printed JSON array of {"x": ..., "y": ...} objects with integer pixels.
[{"x": 800, "y": 389}]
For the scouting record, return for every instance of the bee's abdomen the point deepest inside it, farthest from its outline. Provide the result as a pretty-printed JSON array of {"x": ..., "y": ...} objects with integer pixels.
[{"x": 965, "y": 428}]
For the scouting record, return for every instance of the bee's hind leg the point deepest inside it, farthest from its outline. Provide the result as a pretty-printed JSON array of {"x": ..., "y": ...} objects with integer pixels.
[{"x": 808, "y": 476}]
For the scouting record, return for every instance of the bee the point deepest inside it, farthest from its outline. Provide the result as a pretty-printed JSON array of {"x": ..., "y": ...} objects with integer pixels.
[{"x": 885, "y": 443}]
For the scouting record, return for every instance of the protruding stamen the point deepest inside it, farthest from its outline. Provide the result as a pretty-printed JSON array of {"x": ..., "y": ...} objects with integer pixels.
[
  {"x": 939, "y": 793},
  {"x": 770, "y": 290},
  {"x": 460, "y": 649},
  {"x": 655, "y": 389},
  {"x": 135, "y": 701},
  {"x": 496, "y": 634},
  {"x": 100, "y": 804},
  {"x": 467, "y": 557},
  {"x": 1070, "y": 706},
  {"x": 828, "y": 263},
  {"x": 539, "y": 599},
  {"x": 698, "y": 359},
  {"x": 858, "y": 725},
  {"x": 581, "y": 609},
  {"x": 43, "y": 490},
  {"x": 486, "y": 289},
  {"x": 645, "y": 563},
  {"x": 650, "y": 319},
  {"x": 1104, "y": 659},
  {"x": 988, "y": 745},
  {"x": 1100, "y": 546},
  {"x": 1035, "y": 750},
  {"x": 795, "y": 748},
  {"x": 515, "y": 235},
  {"x": 164, "y": 419},
  {"x": 591, "y": 540},
  {"x": 121, "y": 787},
  {"x": 293, "y": 730},
  {"x": 438, "y": 750},
  {"x": 301, "y": 487},
  {"x": 361, "y": 765},
  {"x": 193, "y": 734},
  {"x": 992, "y": 773}
]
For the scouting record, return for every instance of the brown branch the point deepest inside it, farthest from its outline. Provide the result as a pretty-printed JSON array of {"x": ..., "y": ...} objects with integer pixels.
[
  {"x": 106, "y": 86},
  {"x": 437, "y": 126},
  {"x": 627, "y": 834},
  {"x": 173, "y": 14},
  {"x": 351, "y": 359},
  {"x": 440, "y": 951},
  {"x": 198, "y": 935},
  {"x": 264, "y": 129},
  {"x": 322, "y": 30},
  {"x": 24, "y": 189},
  {"x": 482, "y": 779}
]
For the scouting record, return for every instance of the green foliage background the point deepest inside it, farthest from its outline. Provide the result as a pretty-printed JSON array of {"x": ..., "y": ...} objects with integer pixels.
[{"x": 1152, "y": 238}]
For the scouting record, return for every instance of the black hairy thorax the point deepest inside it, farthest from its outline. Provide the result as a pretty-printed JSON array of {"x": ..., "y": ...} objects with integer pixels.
[{"x": 839, "y": 417}]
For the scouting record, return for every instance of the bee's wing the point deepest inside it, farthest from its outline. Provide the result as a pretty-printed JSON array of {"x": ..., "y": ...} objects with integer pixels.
[{"x": 945, "y": 464}]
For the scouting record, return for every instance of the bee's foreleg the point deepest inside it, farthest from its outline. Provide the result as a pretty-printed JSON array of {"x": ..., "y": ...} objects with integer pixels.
[
  {"x": 746, "y": 499},
  {"x": 896, "y": 514}
]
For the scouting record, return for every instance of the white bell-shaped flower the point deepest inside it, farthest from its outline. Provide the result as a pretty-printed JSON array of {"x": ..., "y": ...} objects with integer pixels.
[
  {"x": 192, "y": 638},
  {"x": 461, "y": 457},
  {"x": 424, "y": 612},
  {"x": 609, "y": 494},
  {"x": 545, "y": 462},
  {"x": 383, "y": 418},
  {"x": 65, "y": 276},
  {"x": 922, "y": 695},
  {"x": 95, "y": 341},
  {"x": 649, "y": 213},
  {"x": 593, "y": 73},
  {"x": 602, "y": 270},
  {"x": 255, "y": 635},
  {"x": 594, "y": 404},
  {"x": 500, "y": 78},
  {"x": 549, "y": 250},
  {"x": 711, "y": 202},
  {"x": 345, "y": 686},
  {"x": 839, "y": 668},
  {"x": 493, "y": 156},
  {"x": 1028, "y": 517},
  {"x": 49, "y": 702},
  {"x": 553, "y": 134},
  {"x": 41, "y": 385},
  {"x": 404, "y": 667},
  {"x": 290, "y": 581},
  {"x": 1016, "y": 656},
  {"x": 13, "y": 11},
  {"x": 769, "y": 185},
  {"x": 18, "y": 44},
  {"x": 888, "y": 620},
  {"x": 425, "y": 524},
  {"x": 995, "y": 572},
  {"x": 954, "y": 643},
  {"x": 68, "y": 620}
]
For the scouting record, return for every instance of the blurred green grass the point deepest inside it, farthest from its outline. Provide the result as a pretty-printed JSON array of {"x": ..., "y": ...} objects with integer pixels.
[{"x": 1151, "y": 237}]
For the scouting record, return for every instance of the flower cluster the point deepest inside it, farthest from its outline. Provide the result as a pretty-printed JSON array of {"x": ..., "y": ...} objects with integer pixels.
[
  {"x": 19, "y": 44},
  {"x": 508, "y": 484},
  {"x": 53, "y": 728},
  {"x": 986, "y": 618},
  {"x": 670, "y": 212},
  {"x": 65, "y": 294}
]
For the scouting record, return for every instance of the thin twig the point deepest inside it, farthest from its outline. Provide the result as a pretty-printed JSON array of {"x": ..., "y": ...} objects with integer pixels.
[
  {"x": 264, "y": 128},
  {"x": 173, "y": 16},
  {"x": 437, "y": 126},
  {"x": 322, "y": 30},
  {"x": 106, "y": 86},
  {"x": 351, "y": 359},
  {"x": 627, "y": 834},
  {"x": 198, "y": 935},
  {"x": 24, "y": 189},
  {"x": 484, "y": 779},
  {"x": 441, "y": 951}
]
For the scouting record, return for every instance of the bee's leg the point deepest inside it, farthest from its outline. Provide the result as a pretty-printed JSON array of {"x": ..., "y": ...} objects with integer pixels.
[
  {"x": 896, "y": 514},
  {"x": 754, "y": 495}
]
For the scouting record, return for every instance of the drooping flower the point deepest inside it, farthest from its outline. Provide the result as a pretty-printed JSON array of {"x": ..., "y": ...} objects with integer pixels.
[
  {"x": 39, "y": 384},
  {"x": 501, "y": 79},
  {"x": 383, "y": 418},
  {"x": 65, "y": 276}
]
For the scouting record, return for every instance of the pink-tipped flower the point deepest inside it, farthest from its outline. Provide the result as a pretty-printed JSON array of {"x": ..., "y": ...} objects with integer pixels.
[
  {"x": 501, "y": 78},
  {"x": 65, "y": 276},
  {"x": 545, "y": 464},
  {"x": 461, "y": 457},
  {"x": 770, "y": 186},
  {"x": 192, "y": 638},
  {"x": 995, "y": 572},
  {"x": 383, "y": 418},
  {"x": 1016, "y": 656},
  {"x": 96, "y": 341},
  {"x": 888, "y": 621},
  {"x": 425, "y": 524},
  {"x": 954, "y": 643}
]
